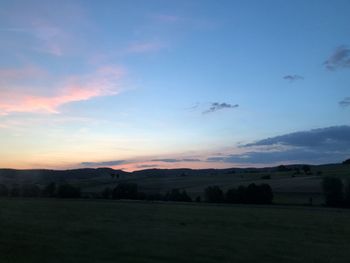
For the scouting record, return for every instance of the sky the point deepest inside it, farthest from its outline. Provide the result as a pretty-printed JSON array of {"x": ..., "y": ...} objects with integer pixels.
[{"x": 166, "y": 84}]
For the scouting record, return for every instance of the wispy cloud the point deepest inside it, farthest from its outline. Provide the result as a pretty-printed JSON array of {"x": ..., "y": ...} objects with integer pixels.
[
  {"x": 167, "y": 18},
  {"x": 345, "y": 102},
  {"x": 104, "y": 81},
  {"x": 107, "y": 163},
  {"x": 293, "y": 78},
  {"x": 168, "y": 160},
  {"x": 144, "y": 47},
  {"x": 215, "y": 106},
  {"x": 145, "y": 166},
  {"x": 339, "y": 59},
  {"x": 17, "y": 74}
]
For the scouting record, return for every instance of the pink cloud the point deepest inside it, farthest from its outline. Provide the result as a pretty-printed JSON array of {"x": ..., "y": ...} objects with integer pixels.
[
  {"x": 144, "y": 47},
  {"x": 105, "y": 81}
]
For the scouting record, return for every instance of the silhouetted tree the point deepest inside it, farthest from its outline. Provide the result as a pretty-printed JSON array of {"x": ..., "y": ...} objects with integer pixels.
[
  {"x": 125, "y": 191},
  {"x": 4, "y": 191},
  {"x": 333, "y": 191},
  {"x": 198, "y": 199},
  {"x": 213, "y": 194},
  {"x": 68, "y": 191}
]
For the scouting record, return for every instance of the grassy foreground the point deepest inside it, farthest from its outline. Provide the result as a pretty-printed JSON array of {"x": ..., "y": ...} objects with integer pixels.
[{"x": 110, "y": 231}]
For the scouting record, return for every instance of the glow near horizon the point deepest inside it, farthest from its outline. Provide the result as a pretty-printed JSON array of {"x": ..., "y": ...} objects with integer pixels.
[{"x": 82, "y": 81}]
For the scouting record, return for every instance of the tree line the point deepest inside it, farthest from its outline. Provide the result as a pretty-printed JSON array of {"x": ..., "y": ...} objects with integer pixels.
[
  {"x": 32, "y": 190},
  {"x": 251, "y": 194}
]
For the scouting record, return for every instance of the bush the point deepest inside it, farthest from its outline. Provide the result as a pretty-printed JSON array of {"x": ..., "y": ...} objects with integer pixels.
[
  {"x": 213, "y": 194},
  {"x": 68, "y": 191},
  {"x": 333, "y": 191}
]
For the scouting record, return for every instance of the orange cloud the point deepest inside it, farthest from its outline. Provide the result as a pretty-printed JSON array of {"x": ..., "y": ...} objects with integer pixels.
[{"x": 105, "y": 81}]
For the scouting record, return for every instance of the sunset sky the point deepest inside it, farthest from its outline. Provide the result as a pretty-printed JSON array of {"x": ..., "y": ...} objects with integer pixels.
[{"x": 163, "y": 84}]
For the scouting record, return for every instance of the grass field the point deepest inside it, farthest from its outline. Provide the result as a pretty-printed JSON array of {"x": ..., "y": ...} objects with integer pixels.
[{"x": 40, "y": 230}]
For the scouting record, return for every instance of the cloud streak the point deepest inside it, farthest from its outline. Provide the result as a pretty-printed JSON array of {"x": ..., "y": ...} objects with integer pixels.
[
  {"x": 168, "y": 160},
  {"x": 215, "y": 106},
  {"x": 339, "y": 59},
  {"x": 104, "y": 81},
  {"x": 107, "y": 163},
  {"x": 144, "y": 47}
]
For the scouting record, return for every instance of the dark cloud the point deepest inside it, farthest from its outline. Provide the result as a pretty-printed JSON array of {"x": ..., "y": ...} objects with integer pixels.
[
  {"x": 108, "y": 163},
  {"x": 336, "y": 137},
  {"x": 147, "y": 166},
  {"x": 191, "y": 160},
  {"x": 215, "y": 106},
  {"x": 175, "y": 160},
  {"x": 325, "y": 145},
  {"x": 292, "y": 78},
  {"x": 166, "y": 160},
  {"x": 345, "y": 102},
  {"x": 339, "y": 59},
  {"x": 296, "y": 155}
]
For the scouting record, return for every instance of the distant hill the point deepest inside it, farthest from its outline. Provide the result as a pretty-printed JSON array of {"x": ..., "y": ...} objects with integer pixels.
[{"x": 285, "y": 180}]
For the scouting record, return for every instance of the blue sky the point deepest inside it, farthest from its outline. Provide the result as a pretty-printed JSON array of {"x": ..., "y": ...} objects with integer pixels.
[{"x": 165, "y": 84}]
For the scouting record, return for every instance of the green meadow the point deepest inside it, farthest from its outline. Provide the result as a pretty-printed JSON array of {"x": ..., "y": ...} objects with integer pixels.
[{"x": 52, "y": 230}]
